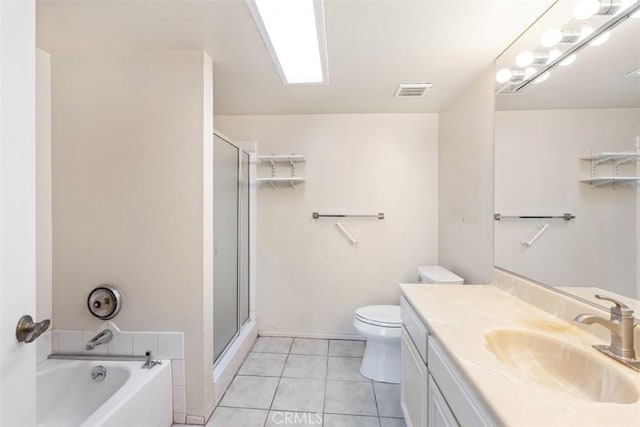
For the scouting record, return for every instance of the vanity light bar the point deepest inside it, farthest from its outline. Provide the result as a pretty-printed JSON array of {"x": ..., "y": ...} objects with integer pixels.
[
  {"x": 520, "y": 82},
  {"x": 609, "y": 25}
]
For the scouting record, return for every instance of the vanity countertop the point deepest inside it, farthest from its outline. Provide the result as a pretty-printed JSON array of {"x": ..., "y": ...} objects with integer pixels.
[{"x": 460, "y": 315}]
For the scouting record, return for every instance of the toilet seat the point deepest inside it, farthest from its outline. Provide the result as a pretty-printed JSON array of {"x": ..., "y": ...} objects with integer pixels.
[{"x": 386, "y": 316}]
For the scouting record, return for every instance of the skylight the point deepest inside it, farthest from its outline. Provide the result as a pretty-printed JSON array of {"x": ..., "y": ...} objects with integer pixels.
[{"x": 293, "y": 31}]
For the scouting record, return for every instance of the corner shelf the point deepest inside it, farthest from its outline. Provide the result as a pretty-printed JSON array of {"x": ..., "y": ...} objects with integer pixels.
[
  {"x": 281, "y": 158},
  {"x": 603, "y": 180},
  {"x": 617, "y": 159},
  {"x": 274, "y": 159}
]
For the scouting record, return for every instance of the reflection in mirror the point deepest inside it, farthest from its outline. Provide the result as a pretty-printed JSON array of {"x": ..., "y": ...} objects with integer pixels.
[{"x": 566, "y": 145}]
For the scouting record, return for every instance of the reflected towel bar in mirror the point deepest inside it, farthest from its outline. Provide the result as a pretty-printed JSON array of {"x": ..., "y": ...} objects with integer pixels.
[
  {"x": 566, "y": 217},
  {"x": 317, "y": 215}
]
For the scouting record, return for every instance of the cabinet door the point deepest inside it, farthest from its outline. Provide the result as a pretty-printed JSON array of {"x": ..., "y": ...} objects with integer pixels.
[
  {"x": 438, "y": 411},
  {"x": 414, "y": 384}
]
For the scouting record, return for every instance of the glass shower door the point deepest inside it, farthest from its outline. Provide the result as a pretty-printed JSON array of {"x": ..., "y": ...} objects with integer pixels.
[{"x": 226, "y": 235}]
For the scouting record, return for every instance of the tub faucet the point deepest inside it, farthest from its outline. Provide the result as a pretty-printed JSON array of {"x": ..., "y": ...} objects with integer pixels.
[
  {"x": 103, "y": 337},
  {"x": 621, "y": 325}
]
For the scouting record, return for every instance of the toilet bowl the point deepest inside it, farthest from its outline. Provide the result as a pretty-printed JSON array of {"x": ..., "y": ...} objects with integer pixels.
[{"x": 381, "y": 326}]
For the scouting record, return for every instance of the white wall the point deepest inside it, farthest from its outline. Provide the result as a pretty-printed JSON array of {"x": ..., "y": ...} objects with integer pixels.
[
  {"x": 465, "y": 204},
  {"x": 43, "y": 186},
  {"x": 538, "y": 172},
  {"x": 309, "y": 278},
  {"x": 132, "y": 136},
  {"x": 17, "y": 209}
]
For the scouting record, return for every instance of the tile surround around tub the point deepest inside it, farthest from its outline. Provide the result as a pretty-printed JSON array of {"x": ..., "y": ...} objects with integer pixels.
[
  {"x": 43, "y": 346},
  {"x": 163, "y": 345}
]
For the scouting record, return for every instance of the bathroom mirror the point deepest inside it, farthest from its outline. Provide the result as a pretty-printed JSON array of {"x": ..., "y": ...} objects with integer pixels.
[{"x": 547, "y": 141}]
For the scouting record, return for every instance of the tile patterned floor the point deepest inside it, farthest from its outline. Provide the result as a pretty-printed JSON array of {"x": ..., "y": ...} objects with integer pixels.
[{"x": 307, "y": 382}]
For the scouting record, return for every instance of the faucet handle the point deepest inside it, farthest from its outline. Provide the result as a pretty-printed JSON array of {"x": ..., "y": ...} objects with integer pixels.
[{"x": 620, "y": 308}]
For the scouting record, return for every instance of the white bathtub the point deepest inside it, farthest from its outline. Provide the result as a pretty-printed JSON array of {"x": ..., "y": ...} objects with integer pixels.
[{"x": 129, "y": 395}]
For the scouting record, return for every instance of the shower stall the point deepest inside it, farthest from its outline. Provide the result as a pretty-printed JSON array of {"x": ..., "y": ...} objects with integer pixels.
[{"x": 231, "y": 198}]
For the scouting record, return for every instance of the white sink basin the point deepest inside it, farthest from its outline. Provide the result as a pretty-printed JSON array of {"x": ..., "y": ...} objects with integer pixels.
[{"x": 560, "y": 366}]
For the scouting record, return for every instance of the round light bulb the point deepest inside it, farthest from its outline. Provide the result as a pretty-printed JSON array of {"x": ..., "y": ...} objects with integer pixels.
[
  {"x": 600, "y": 39},
  {"x": 586, "y": 9},
  {"x": 553, "y": 54},
  {"x": 503, "y": 75},
  {"x": 568, "y": 60},
  {"x": 542, "y": 78},
  {"x": 551, "y": 37},
  {"x": 525, "y": 58},
  {"x": 528, "y": 72}
]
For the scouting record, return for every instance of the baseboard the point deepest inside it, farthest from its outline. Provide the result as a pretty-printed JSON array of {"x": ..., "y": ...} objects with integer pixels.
[{"x": 308, "y": 335}]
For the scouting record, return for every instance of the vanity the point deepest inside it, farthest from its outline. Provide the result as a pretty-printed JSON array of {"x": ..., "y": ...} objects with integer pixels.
[{"x": 509, "y": 353}]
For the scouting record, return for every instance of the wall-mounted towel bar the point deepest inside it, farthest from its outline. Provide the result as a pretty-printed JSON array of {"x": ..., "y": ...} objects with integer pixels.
[
  {"x": 541, "y": 228},
  {"x": 317, "y": 215},
  {"x": 346, "y": 233},
  {"x": 565, "y": 217}
]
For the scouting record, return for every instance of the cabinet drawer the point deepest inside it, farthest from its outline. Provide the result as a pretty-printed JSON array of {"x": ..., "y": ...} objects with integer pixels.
[{"x": 415, "y": 328}]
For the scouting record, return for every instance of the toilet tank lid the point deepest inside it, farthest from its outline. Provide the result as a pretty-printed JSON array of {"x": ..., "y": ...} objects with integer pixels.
[{"x": 438, "y": 274}]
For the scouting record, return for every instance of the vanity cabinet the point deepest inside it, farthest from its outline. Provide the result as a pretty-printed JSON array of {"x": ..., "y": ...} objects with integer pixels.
[
  {"x": 433, "y": 391},
  {"x": 413, "y": 390},
  {"x": 439, "y": 413}
]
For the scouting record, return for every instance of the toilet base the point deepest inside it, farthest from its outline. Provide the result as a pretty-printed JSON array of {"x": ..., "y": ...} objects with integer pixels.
[{"x": 381, "y": 361}]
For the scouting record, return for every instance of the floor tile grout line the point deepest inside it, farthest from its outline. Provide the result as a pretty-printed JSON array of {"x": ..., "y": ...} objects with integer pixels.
[
  {"x": 278, "y": 386},
  {"x": 326, "y": 384},
  {"x": 375, "y": 399}
]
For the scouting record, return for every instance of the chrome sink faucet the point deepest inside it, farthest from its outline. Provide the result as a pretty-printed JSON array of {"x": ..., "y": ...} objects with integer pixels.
[
  {"x": 103, "y": 337},
  {"x": 621, "y": 325}
]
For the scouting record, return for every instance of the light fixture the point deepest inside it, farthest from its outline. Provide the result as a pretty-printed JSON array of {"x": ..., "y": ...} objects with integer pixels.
[
  {"x": 503, "y": 75},
  {"x": 293, "y": 32},
  {"x": 555, "y": 36},
  {"x": 588, "y": 8},
  {"x": 571, "y": 39},
  {"x": 525, "y": 58}
]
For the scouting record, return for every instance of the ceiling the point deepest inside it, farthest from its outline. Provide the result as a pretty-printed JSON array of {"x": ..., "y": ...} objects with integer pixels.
[{"x": 373, "y": 45}]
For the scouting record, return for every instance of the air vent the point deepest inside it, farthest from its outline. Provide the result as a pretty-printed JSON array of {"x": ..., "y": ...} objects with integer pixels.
[{"x": 412, "y": 90}]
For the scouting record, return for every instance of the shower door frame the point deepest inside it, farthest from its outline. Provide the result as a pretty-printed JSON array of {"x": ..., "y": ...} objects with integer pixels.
[{"x": 243, "y": 197}]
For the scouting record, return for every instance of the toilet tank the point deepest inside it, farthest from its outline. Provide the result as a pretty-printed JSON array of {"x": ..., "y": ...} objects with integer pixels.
[{"x": 438, "y": 274}]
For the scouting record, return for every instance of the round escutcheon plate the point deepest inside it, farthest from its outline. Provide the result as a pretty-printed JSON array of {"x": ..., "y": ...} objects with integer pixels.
[{"x": 104, "y": 302}]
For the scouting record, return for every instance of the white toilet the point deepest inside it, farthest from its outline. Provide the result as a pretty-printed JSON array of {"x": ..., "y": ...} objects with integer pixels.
[{"x": 381, "y": 326}]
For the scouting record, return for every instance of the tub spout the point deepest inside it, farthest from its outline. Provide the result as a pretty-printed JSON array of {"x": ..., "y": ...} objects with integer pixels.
[{"x": 102, "y": 338}]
